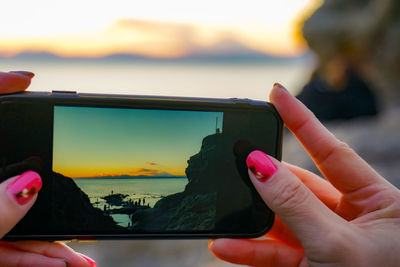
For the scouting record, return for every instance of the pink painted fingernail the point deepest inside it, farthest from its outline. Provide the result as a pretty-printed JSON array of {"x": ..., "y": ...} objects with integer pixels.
[
  {"x": 23, "y": 188},
  {"x": 26, "y": 73},
  {"x": 92, "y": 262},
  {"x": 260, "y": 165}
]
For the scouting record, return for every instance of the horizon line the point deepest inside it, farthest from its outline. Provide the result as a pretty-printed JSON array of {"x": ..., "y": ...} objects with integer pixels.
[
  {"x": 131, "y": 177},
  {"x": 252, "y": 56}
]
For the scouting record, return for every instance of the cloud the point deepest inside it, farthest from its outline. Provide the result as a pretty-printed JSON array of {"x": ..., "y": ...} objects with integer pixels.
[
  {"x": 182, "y": 31},
  {"x": 154, "y": 39},
  {"x": 160, "y": 38},
  {"x": 185, "y": 37},
  {"x": 151, "y": 163}
]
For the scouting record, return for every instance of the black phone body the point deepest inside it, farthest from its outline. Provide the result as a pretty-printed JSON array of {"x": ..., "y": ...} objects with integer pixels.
[{"x": 117, "y": 166}]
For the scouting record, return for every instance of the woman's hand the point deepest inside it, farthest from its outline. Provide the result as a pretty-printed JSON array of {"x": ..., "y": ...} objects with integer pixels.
[
  {"x": 17, "y": 195},
  {"x": 352, "y": 220}
]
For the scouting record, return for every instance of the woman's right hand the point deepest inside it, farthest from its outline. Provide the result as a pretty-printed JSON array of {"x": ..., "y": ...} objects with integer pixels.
[
  {"x": 17, "y": 195},
  {"x": 350, "y": 219}
]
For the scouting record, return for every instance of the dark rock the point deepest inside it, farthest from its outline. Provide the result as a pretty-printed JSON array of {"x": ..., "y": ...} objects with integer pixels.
[
  {"x": 115, "y": 199},
  {"x": 66, "y": 208},
  {"x": 178, "y": 212}
]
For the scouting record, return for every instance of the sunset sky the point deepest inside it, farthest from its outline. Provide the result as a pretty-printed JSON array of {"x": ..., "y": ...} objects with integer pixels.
[
  {"x": 166, "y": 29},
  {"x": 93, "y": 142}
]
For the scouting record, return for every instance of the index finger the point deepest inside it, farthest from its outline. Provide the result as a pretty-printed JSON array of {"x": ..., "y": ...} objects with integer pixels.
[
  {"x": 337, "y": 162},
  {"x": 14, "y": 81}
]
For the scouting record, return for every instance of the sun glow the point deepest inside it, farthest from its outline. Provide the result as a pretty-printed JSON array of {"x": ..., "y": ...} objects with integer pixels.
[{"x": 166, "y": 29}]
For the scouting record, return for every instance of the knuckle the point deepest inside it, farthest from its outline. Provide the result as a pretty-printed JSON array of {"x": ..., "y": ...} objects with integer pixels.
[
  {"x": 290, "y": 195},
  {"x": 343, "y": 146},
  {"x": 339, "y": 149}
]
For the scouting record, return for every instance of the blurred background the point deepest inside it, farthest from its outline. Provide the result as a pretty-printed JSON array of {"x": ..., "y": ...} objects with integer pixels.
[{"x": 340, "y": 57}]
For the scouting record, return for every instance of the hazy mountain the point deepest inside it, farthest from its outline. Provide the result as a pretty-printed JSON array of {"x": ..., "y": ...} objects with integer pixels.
[
  {"x": 228, "y": 50},
  {"x": 33, "y": 56},
  {"x": 220, "y": 53}
]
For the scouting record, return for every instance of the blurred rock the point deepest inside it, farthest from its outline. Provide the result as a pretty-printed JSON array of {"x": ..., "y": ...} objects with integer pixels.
[
  {"x": 352, "y": 97},
  {"x": 367, "y": 32},
  {"x": 375, "y": 139}
]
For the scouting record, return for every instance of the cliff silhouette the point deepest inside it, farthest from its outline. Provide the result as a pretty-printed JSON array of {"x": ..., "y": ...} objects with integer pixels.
[
  {"x": 194, "y": 209},
  {"x": 215, "y": 198}
]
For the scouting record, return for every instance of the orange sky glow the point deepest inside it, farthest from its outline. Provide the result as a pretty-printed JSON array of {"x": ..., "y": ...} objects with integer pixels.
[
  {"x": 174, "y": 29},
  {"x": 119, "y": 172}
]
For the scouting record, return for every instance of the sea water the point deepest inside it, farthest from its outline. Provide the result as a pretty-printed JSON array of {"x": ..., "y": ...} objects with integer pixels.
[
  {"x": 224, "y": 80},
  {"x": 149, "y": 189}
]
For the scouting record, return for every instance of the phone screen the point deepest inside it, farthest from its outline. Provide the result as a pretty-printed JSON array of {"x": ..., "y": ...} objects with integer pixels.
[
  {"x": 125, "y": 172},
  {"x": 137, "y": 166}
]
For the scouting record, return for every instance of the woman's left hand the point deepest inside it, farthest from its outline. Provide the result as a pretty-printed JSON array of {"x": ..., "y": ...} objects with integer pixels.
[{"x": 13, "y": 208}]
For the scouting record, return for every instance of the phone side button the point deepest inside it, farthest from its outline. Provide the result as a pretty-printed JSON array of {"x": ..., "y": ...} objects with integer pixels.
[
  {"x": 63, "y": 92},
  {"x": 240, "y": 100},
  {"x": 247, "y": 101}
]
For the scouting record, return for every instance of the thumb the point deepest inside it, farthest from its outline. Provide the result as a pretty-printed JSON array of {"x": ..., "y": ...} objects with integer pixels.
[
  {"x": 289, "y": 198},
  {"x": 17, "y": 196},
  {"x": 15, "y": 81}
]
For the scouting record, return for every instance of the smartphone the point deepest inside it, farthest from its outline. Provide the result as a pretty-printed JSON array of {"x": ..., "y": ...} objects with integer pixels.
[{"x": 118, "y": 166}]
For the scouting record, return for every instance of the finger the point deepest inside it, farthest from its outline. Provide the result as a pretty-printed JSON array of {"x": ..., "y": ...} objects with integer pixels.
[
  {"x": 334, "y": 158},
  {"x": 17, "y": 196},
  {"x": 55, "y": 250},
  {"x": 14, "y": 81},
  {"x": 10, "y": 256},
  {"x": 256, "y": 252},
  {"x": 290, "y": 199},
  {"x": 321, "y": 188}
]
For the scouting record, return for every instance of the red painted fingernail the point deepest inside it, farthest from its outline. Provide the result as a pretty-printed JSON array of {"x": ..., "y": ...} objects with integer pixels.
[
  {"x": 26, "y": 73},
  {"x": 261, "y": 165},
  {"x": 23, "y": 188},
  {"x": 92, "y": 262}
]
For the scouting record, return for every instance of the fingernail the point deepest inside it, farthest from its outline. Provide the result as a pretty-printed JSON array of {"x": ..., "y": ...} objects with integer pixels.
[
  {"x": 26, "y": 73},
  {"x": 23, "y": 188},
  {"x": 92, "y": 262},
  {"x": 278, "y": 85},
  {"x": 260, "y": 165}
]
